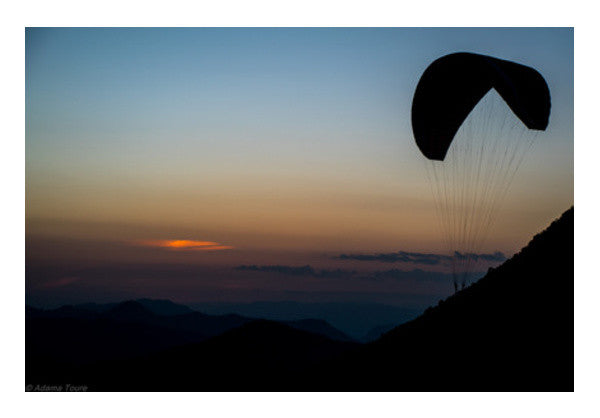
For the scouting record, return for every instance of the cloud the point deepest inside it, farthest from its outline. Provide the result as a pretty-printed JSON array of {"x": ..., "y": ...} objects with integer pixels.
[
  {"x": 496, "y": 256},
  {"x": 416, "y": 274},
  {"x": 184, "y": 245},
  {"x": 299, "y": 271},
  {"x": 421, "y": 258}
]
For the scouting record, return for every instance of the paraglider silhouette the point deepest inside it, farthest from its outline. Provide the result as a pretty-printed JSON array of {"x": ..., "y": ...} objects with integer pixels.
[{"x": 474, "y": 117}]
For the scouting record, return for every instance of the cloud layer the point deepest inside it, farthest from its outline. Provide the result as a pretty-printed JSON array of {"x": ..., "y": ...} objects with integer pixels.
[
  {"x": 184, "y": 245},
  {"x": 422, "y": 258}
]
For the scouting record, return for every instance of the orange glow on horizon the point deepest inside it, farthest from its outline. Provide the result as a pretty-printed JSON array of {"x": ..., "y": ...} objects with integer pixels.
[{"x": 184, "y": 244}]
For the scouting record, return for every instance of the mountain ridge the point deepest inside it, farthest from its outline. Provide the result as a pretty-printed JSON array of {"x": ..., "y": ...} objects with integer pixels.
[{"x": 511, "y": 330}]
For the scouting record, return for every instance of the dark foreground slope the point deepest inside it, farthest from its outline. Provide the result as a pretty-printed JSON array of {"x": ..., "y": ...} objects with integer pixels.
[
  {"x": 66, "y": 344},
  {"x": 258, "y": 356},
  {"x": 510, "y": 331}
]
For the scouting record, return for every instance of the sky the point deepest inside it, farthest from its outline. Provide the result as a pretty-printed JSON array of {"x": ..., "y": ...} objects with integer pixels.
[{"x": 224, "y": 164}]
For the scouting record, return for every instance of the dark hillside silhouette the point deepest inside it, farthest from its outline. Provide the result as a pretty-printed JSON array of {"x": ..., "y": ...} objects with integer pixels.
[
  {"x": 260, "y": 355},
  {"x": 60, "y": 342},
  {"x": 510, "y": 331}
]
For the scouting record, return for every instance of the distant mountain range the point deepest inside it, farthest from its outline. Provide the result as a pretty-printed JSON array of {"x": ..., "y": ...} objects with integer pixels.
[
  {"x": 134, "y": 327},
  {"x": 361, "y": 321},
  {"x": 510, "y": 331},
  {"x": 63, "y": 343},
  {"x": 157, "y": 306}
]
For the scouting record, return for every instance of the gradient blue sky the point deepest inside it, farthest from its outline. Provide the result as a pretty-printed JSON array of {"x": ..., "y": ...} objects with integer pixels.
[{"x": 288, "y": 144}]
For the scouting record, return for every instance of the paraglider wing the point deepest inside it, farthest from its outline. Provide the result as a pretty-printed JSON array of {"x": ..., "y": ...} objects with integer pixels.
[{"x": 452, "y": 86}]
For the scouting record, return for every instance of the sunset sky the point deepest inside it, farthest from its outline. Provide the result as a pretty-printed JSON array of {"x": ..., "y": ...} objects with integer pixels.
[{"x": 168, "y": 162}]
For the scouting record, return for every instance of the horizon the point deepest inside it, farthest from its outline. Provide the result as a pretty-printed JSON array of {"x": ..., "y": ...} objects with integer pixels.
[{"x": 216, "y": 165}]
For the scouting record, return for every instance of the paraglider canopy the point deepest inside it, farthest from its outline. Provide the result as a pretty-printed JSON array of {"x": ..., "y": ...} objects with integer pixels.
[
  {"x": 452, "y": 86},
  {"x": 475, "y": 117}
]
